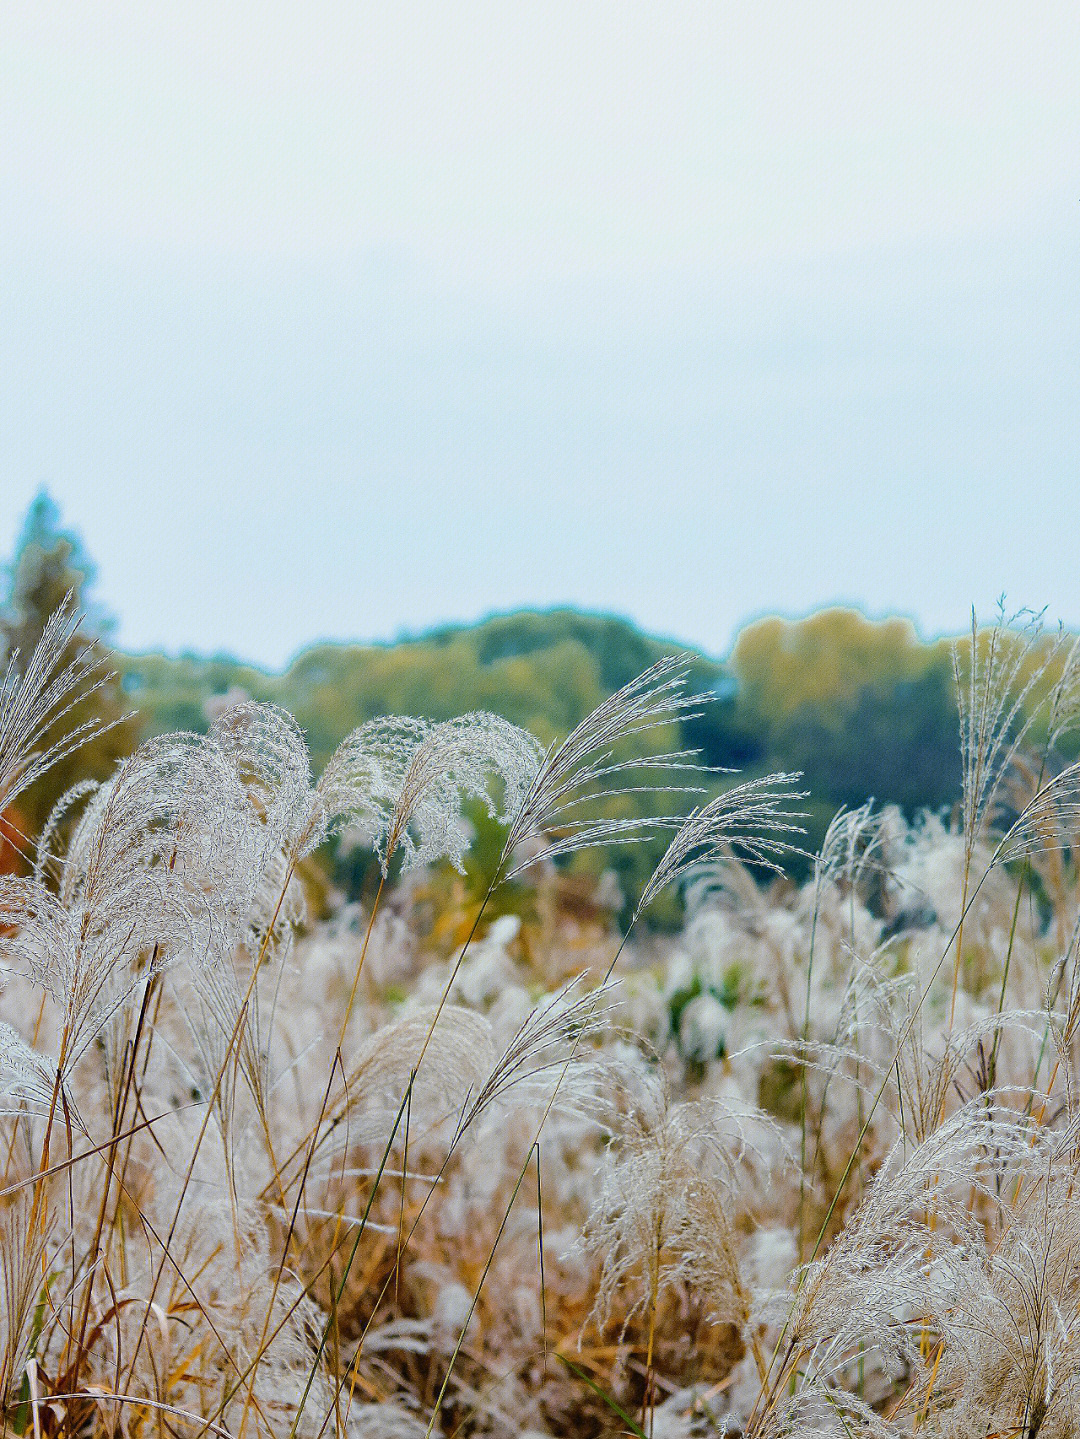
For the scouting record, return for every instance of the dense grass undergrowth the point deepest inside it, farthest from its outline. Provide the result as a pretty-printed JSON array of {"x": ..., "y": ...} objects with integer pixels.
[{"x": 444, "y": 1165}]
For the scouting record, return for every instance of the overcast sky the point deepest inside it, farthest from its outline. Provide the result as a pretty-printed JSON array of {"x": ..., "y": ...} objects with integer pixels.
[{"x": 333, "y": 320}]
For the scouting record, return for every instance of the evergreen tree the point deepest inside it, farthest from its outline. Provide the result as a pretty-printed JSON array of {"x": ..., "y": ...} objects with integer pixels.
[{"x": 49, "y": 564}]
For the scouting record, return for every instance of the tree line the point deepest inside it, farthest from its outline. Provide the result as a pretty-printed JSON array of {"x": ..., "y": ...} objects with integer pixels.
[{"x": 862, "y": 707}]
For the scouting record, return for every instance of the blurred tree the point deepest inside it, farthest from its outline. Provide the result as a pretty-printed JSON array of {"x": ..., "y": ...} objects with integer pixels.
[
  {"x": 825, "y": 660},
  {"x": 863, "y": 707},
  {"x": 49, "y": 563}
]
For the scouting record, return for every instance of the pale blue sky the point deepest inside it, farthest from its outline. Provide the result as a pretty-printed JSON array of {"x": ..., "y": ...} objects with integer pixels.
[{"x": 337, "y": 319}]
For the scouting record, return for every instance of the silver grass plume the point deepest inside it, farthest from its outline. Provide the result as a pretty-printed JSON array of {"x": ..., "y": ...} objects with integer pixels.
[
  {"x": 1002, "y": 672},
  {"x": 1064, "y": 984},
  {"x": 670, "y": 1193},
  {"x": 577, "y": 774},
  {"x": 465, "y": 1076},
  {"x": 459, "y": 1056},
  {"x": 276, "y": 910},
  {"x": 34, "y": 704},
  {"x": 745, "y": 822},
  {"x": 1064, "y": 708},
  {"x": 404, "y": 780},
  {"x": 27, "y": 1077},
  {"x": 23, "y": 1261},
  {"x": 822, "y": 1410},
  {"x": 385, "y": 1420},
  {"x": 463, "y": 1073},
  {"x": 879, "y": 1043},
  {"x": 546, "y": 1059},
  {"x": 174, "y": 821},
  {"x": 163, "y": 861},
  {"x": 399, "y": 779},
  {"x": 894, "y": 1270},
  {"x": 46, "y": 856},
  {"x": 1012, "y": 1362},
  {"x": 231, "y": 1012},
  {"x": 851, "y": 849},
  {"x": 268, "y": 752},
  {"x": 727, "y": 884},
  {"x": 1050, "y": 819}
]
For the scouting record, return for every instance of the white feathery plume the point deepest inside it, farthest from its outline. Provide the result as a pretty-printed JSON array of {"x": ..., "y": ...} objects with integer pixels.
[
  {"x": 725, "y": 882},
  {"x": 403, "y": 780},
  {"x": 458, "y": 1054},
  {"x": 994, "y": 683},
  {"x": 174, "y": 825},
  {"x": 463, "y": 1072},
  {"x": 668, "y": 1200},
  {"x": 232, "y": 1010},
  {"x": 893, "y": 1271},
  {"x": 822, "y": 1409},
  {"x": 1050, "y": 819},
  {"x": 1064, "y": 711},
  {"x": 386, "y": 1420},
  {"x": 852, "y": 845},
  {"x": 744, "y": 823},
  {"x": 575, "y": 774},
  {"x": 23, "y": 1260},
  {"x": 1012, "y": 1361},
  {"x": 547, "y": 1046},
  {"x": 399, "y": 779},
  {"x": 33, "y": 704},
  {"x": 268, "y": 751},
  {"x": 879, "y": 1044},
  {"x": 45, "y": 856},
  {"x": 164, "y": 860},
  {"x": 27, "y": 1077},
  {"x": 464, "y": 1075}
]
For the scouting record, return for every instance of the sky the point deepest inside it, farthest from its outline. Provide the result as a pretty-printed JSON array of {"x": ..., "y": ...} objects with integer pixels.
[{"x": 342, "y": 320}]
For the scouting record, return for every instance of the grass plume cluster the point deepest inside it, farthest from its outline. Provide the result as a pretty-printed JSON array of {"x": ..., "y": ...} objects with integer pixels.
[{"x": 425, "y": 1167}]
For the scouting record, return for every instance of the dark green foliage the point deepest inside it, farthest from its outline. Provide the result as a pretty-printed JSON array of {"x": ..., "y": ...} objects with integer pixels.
[
  {"x": 861, "y": 707},
  {"x": 896, "y": 742}
]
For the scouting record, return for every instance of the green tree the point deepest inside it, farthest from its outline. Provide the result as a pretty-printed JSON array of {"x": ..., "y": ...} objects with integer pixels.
[
  {"x": 49, "y": 564},
  {"x": 862, "y": 707}
]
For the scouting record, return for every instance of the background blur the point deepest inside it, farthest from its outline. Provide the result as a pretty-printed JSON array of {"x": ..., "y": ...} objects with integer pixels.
[
  {"x": 335, "y": 320},
  {"x": 342, "y": 322}
]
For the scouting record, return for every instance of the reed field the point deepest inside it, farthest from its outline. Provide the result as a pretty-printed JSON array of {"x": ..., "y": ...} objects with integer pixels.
[{"x": 502, "y": 1156}]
